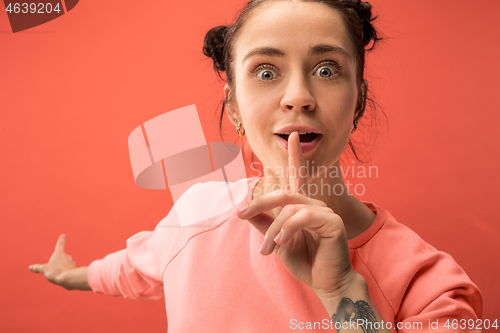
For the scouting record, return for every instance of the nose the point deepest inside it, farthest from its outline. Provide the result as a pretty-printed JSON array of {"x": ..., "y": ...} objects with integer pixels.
[{"x": 298, "y": 95}]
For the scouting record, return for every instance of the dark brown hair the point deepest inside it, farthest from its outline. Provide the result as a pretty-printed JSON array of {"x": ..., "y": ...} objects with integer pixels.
[{"x": 357, "y": 16}]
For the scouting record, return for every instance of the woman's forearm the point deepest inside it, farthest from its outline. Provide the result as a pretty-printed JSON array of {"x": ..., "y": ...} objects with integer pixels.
[
  {"x": 343, "y": 306},
  {"x": 75, "y": 279}
]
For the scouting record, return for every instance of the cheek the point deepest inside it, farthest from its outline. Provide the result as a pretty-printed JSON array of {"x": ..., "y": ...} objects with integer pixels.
[
  {"x": 256, "y": 105},
  {"x": 342, "y": 103},
  {"x": 252, "y": 113}
]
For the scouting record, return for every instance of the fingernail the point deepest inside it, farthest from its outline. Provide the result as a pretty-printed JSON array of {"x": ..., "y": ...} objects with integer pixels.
[
  {"x": 278, "y": 236},
  {"x": 243, "y": 209},
  {"x": 31, "y": 266},
  {"x": 264, "y": 246}
]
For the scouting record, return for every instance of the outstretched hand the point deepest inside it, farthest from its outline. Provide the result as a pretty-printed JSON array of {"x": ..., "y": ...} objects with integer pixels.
[
  {"x": 59, "y": 263},
  {"x": 307, "y": 235}
]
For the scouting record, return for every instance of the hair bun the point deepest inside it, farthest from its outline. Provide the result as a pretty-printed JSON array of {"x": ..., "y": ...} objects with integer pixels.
[
  {"x": 363, "y": 12},
  {"x": 214, "y": 46}
]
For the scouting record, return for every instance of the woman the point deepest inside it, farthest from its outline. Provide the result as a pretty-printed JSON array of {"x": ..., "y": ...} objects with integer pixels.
[{"x": 295, "y": 90}]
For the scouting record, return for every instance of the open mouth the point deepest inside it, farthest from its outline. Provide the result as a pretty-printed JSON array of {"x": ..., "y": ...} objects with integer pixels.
[{"x": 308, "y": 137}]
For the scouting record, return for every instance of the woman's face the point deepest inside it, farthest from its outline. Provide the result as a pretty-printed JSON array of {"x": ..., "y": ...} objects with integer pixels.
[{"x": 294, "y": 82}]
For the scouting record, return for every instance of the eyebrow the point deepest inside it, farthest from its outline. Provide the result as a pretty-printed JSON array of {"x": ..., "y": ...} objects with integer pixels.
[{"x": 313, "y": 50}]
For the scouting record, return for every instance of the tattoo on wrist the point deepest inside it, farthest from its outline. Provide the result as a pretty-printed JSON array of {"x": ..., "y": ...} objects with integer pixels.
[{"x": 359, "y": 313}]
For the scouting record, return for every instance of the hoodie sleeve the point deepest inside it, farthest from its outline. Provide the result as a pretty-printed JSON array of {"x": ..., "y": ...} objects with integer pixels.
[
  {"x": 136, "y": 272},
  {"x": 441, "y": 297},
  {"x": 132, "y": 273}
]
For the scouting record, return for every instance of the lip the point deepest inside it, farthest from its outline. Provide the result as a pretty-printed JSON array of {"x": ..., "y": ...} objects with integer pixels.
[
  {"x": 297, "y": 128},
  {"x": 306, "y": 146}
]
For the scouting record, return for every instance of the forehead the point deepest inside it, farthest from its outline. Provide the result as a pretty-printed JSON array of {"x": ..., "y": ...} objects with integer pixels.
[{"x": 292, "y": 26}]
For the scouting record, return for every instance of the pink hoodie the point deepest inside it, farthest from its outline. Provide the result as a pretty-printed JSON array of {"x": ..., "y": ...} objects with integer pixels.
[{"x": 215, "y": 280}]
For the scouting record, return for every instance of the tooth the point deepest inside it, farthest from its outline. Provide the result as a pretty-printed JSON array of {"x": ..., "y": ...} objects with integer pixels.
[{"x": 300, "y": 132}]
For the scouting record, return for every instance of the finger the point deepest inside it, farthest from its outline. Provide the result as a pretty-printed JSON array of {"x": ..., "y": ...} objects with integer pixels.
[
  {"x": 61, "y": 241},
  {"x": 275, "y": 230},
  {"x": 320, "y": 220},
  {"x": 261, "y": 222},
  {"x": 36, "y": 268},
  {"x": 269, "y": 244},
  {"x": 277, "y": 198},
  {"x": 298, "y": 183}
]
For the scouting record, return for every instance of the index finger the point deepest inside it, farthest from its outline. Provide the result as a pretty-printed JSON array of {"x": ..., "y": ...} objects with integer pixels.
[
  {"x": 61, "y": 241},
  {"x": 298, "y": 183}
]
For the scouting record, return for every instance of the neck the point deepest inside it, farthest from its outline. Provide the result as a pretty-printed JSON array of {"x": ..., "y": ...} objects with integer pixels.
[{"x": 330, "y": 188}]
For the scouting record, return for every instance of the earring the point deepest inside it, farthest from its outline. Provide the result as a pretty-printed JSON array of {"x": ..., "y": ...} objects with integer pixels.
[
  {"x": 355, "y": 126},
  {"x": 238, "y": 125}
]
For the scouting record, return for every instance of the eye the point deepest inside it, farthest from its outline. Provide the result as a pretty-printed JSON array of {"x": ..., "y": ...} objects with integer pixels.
[
  {"x": 329, "y": 71},
  {"x": 265, "y": 72},
  {"x": 324, "y": 71}
]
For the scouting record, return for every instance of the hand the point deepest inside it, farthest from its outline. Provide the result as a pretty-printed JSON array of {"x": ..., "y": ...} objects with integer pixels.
[
  {"x": 307, "y": 236},
  {"x": 59, "y": 264}
]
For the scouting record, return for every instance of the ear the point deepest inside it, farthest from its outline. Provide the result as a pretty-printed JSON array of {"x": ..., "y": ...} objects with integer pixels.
[
  {"x": 230, "y": 106},
  {"x": 361, "y": 106}
]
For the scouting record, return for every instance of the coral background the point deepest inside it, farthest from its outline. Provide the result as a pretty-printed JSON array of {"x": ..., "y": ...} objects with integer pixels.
[{"x": 72, "y": 90}]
